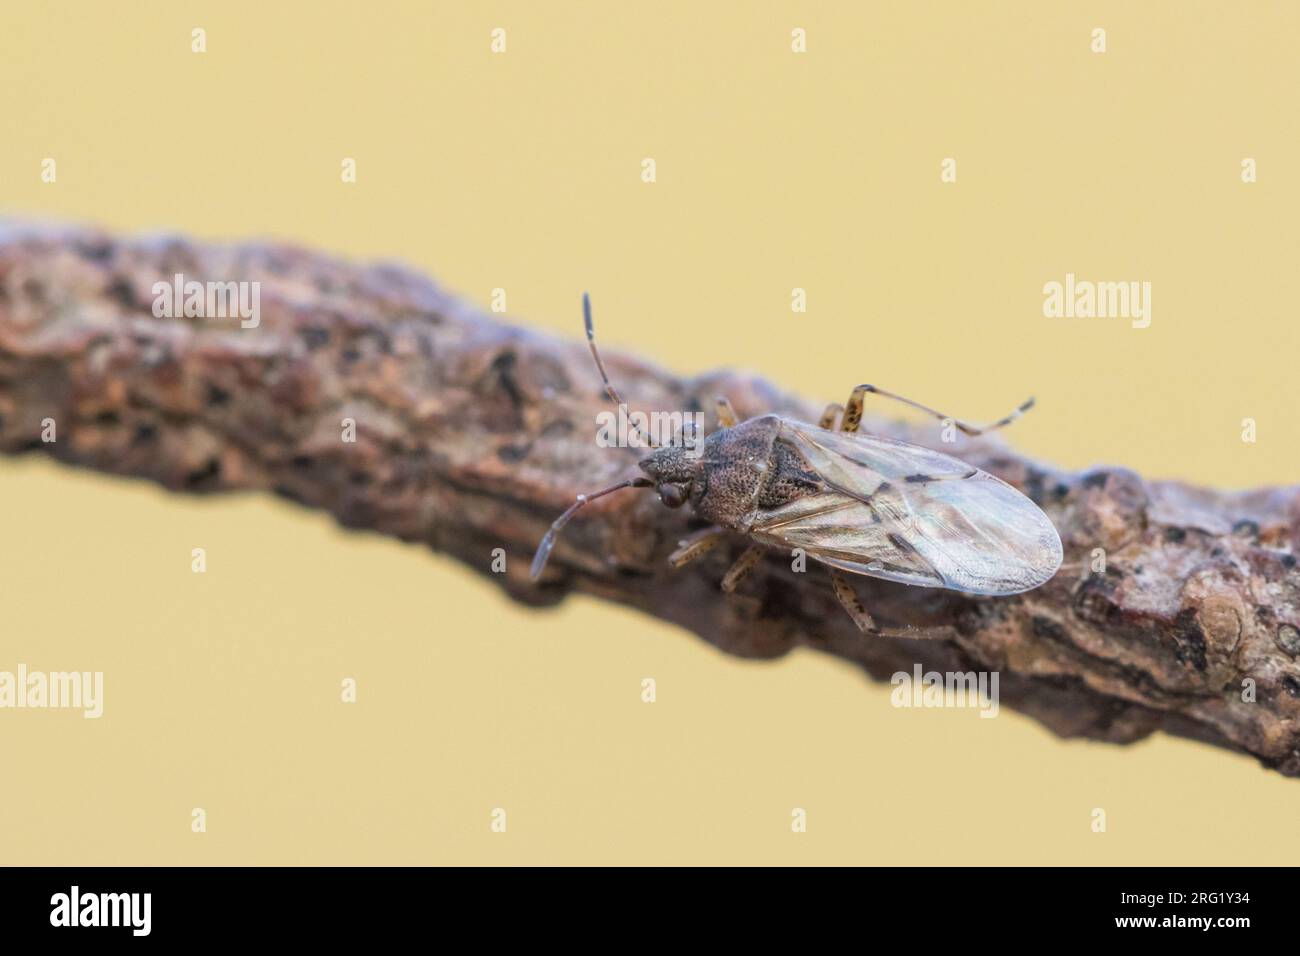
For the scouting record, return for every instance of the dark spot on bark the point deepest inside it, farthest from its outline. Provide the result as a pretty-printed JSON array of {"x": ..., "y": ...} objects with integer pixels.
[
  {"x": 289, "y": 494},
  {"x": 504, "y": 366},
  {"x": 1288, "y": 638},
  {"x": 1189, "y": 639},
  {"x": 1175, "y": 535},
  {"x": 557, "y": 428},
  {"x": 1288, "y": 560},
  {"x": 108, "y": 417},
  {"x": 1061, "y": 491},
  {"x": 1246, "y": 529},
  {"x": 314, "y": 337},
  {"x": 302, "y": 462},
  {"x": 1216, "y": 552},
  {"x": 144, "y": 433},
  {"x": 205, "y": 475},
  {"x": 122, "y": 292},
  {"x": 1291, "y": 685},
  {"x": 1048, "y": 630},
  {"x": 1034, "y": 485},
  {"x": 513, "y": 453},
  {"x": 351, "y": 355},
  {"x": 1096, "y": 479},
  {"x": 359, "y": 478},
  {"x": 94, "y": 250},
  {"x": 217, "y": 395},
  {"x": 1095, "y": 601}
]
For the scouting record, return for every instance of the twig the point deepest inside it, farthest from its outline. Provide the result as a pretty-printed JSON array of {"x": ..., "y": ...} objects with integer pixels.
[{"x": 472, "y": 435}]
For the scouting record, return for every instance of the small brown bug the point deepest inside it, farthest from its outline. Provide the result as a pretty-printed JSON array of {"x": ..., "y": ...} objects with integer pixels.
[{"x": 854, "y": 502}]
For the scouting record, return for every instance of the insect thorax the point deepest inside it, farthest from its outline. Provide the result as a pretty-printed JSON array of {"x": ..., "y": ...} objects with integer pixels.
[{"x": 748, "y": 467}]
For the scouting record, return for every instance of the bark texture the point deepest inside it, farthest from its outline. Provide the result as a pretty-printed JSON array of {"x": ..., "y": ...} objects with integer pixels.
[{"x": 472, "y": 435}]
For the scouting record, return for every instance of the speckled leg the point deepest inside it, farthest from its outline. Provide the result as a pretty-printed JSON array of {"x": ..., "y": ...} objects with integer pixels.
[
  {"x": 849, "y": 598},
  {"x": 744, "y": 564},
  {"x": 696, "y": 545},
  {"x": 833, "y": 411},
  {"x": 853, "y": 412},
  {"x": 726, "y": 414}
]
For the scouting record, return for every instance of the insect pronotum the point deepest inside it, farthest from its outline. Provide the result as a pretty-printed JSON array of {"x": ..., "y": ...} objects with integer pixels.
[{"x": 854, "y": 502}]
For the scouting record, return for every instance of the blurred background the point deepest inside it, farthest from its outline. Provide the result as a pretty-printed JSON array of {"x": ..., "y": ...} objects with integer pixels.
[{"x": 522, "y": 170}]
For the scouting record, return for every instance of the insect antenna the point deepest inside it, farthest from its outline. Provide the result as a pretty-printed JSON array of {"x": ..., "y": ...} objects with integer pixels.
[
  {"x": 610, "y": 390},
  {"x": 548, "y": 542}
]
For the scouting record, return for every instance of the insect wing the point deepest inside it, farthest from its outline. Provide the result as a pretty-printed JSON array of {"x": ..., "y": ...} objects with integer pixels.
[
  {"x": 843, "y": 531},
  {"x": 905, "y": 513}
]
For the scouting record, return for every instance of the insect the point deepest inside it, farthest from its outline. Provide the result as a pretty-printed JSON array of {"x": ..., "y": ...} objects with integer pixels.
[{"x": 854, "y": 502}]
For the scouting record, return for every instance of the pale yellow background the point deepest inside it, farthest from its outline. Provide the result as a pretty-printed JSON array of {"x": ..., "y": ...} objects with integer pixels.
[{"x": 522, "y": 171}]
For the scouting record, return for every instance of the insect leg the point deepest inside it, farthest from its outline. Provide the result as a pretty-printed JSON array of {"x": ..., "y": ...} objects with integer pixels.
[
  {"x": 696, "y": 546},
  {"x": 744, "y": 564},
  {"x": 833, "y": 411},
  {"x": 849, "y": 598},
  {"x": 726, "y": 414},
  {"x": 853, "y": 412}
]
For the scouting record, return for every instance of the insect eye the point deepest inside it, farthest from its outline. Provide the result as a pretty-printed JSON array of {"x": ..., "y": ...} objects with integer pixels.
[{"x": 674, "y": 496}]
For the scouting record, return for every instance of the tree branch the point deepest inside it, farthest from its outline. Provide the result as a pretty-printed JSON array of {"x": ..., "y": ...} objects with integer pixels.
[{"x": 472, "y": 435}]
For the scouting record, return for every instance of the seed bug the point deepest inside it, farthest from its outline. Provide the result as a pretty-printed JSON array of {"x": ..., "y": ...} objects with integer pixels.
[{"x": 854, "y": 502}]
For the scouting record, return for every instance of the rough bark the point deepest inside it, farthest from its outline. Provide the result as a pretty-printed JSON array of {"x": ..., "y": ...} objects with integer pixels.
[{"x": 471, "y": 435}]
